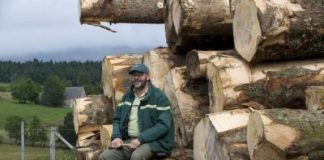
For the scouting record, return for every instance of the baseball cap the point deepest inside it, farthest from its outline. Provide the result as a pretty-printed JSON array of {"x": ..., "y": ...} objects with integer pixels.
[{"x": 139, "y": 68}]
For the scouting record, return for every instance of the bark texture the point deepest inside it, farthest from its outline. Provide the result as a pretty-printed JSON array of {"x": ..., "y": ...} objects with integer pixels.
[
  {"x": 121, "y": 11},
  {"x": 199, "y": 24},
  {"x": 280, "y": 134},
  {"x": 271, "y": 30}
]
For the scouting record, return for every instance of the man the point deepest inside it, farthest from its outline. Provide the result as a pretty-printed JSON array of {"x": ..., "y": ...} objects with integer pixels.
[{"x": 142, "y": 123}]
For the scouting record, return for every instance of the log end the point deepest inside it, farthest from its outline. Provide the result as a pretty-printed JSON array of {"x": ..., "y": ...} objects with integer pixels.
[{"x": 246, "y": 29}]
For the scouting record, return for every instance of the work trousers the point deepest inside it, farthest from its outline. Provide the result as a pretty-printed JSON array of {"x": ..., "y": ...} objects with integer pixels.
[{"x": 143, "y": 152}]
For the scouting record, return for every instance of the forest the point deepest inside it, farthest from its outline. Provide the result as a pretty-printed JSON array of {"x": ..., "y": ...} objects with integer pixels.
[{"x": 73, "y": 73}]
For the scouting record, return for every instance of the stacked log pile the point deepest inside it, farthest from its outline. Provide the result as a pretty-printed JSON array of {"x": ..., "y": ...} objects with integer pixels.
[
  {"x": 90, "y": 114},
  {"x": 245, "y": 78}
]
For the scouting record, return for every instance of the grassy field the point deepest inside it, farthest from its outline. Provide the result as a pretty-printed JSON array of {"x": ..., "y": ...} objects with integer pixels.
[
  {"x": 12, "y": 152},
  {"x": 48, "y": 115}
]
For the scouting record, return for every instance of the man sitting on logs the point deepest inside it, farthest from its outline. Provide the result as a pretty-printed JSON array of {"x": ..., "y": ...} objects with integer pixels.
[{"x": 142, "y": 123}]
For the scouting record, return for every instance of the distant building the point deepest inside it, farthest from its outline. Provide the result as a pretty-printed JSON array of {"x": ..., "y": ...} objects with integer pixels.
[{"x": 72, "y": 93}]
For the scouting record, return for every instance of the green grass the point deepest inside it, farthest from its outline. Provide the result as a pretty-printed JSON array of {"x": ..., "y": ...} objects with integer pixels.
[
  {"x": 12, "y": 152},
  {"x": 47, "y": 115}
]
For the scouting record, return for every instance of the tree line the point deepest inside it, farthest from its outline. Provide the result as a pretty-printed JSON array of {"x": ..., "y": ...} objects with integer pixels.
[{"x": 73, "y": 73}]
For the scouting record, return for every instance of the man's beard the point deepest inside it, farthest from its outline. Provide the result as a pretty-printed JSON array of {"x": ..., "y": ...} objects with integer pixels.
[{"x": 139, "y": 84}]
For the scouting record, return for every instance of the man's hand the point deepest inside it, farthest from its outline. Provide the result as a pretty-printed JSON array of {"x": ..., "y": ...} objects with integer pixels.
[
  {"x": 134, "y": 143},
  {"x": 116, "y": 143}
]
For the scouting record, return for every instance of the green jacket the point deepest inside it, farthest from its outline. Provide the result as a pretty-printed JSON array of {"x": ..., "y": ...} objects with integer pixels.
[{"x": 154, "y": 119}]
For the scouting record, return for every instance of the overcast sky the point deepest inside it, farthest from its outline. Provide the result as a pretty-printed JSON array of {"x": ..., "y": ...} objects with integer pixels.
[{"x": 43, "y": 26}]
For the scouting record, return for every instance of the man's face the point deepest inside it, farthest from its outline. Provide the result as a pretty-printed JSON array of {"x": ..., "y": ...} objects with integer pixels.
[{"x": 139, "y": 79}]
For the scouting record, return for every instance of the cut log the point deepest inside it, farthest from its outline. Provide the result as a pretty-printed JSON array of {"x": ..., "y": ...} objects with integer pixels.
[
  {"x": 199, "y": 25},
  {"x": 270, "y": 30},
  {"x": 281, "y": 89},
  {"x": 222, "y": 136},
  {"x": 196, "y": 61},
  {"x": 90, "y": 152},
  {"x": 187, "y": 107},
  {"x": 89, "y": 112},
  {"x": 314, "y": 96},
  {"x": 280, "y": 134},
  {"x": 160, "y": 61},
  {"x": 88, "y": 138},
  {"x": 105, "y": 134},
  {"x": 115, "y": 78},
  {"x": 118, "y": 11},
  {"x": 224, "y": 73}
]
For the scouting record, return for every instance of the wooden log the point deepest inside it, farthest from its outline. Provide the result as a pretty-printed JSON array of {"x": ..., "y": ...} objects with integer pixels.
[
  {"x": 199, "y": 25},
  {"x": 160, "y": 61},
  {"x": 187, "y": 107},
  {"x": 105, "y": 134},
  {"x": 90, "y": 152},
  {"x": 196, "y": 61},
  {"x": 118, "y": 11},
  {"x": 267, "y": 30},
  {"x": 224, "y": 73},
  {"x": 222, "y": 136},
  {"x": 89, "y": 112},
  {"x": 314, "y": 97},
  {"x": 280, "y": 134},
  {"x": 86, "y": 139},
  {"x": 281, "y": 89},
  {"x": 115, "y": 78}
]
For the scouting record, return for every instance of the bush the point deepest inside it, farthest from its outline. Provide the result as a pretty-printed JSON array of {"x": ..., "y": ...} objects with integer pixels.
[
  {"x": 53, "y": 92},
  {"x": 25, "y": 90},
  {"x": 13, "y": 127},
  {"x": 37, "y": 133},
  {"x": 67, "y": 129}
]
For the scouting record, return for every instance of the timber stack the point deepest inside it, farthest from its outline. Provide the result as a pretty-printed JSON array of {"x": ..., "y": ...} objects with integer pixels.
[{"x": 245, "y": 78}]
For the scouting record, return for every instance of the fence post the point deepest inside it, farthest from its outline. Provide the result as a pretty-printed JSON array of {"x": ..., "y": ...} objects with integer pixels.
[
  {"x": 22, "y": 132},
  {"x": 52, "y": 143}
]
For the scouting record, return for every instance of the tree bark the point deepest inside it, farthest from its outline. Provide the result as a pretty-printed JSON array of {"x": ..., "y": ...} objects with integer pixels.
[
  {"x": 187, "y": 107},
  {"x": 222, "y": 136},
  {"x": 89, "y": 112},
  {"x": 271, "y": 30},
  {"x": 280, "y": 134},
  {"x": 115, "y": 78},
  {"x": 121, "y": 11},
  {"x": 314, "y": 97},
  {"x": 105, "y": 134},
  {"x": 160, "y": 61},
  {"x": 224, "y": 73},
  {"x": 199, "y": 25},
  {"x": 281, "y": 89}
]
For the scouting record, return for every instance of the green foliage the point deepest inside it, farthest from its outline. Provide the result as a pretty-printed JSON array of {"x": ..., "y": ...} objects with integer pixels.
[
  {"x": 25, "y": 90},
  {"x": 67, "y": 129},
  {"x": 13, "y": 127},
  {"x": 53, "y": 92},
  {"x": 37, "y": 133},
  {"x": 73, "y": 73}
]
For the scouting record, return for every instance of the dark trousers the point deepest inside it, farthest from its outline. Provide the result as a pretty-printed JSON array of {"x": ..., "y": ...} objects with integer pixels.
[{"x": 143, "y": 152}]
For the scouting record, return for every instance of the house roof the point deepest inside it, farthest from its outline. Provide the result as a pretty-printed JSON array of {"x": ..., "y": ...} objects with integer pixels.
[{"x": 74, "y": 92}]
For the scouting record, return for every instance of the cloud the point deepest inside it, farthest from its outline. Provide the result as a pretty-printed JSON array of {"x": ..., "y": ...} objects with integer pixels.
[{"x": 44, "y": 26}]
